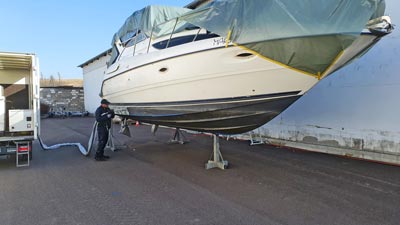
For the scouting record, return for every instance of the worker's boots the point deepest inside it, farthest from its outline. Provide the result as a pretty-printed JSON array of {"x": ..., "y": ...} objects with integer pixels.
[{"x": 101, "y": 158}]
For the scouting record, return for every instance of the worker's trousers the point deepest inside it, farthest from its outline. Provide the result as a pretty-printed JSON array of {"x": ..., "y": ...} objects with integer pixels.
[{"x": 102, "y": 133}]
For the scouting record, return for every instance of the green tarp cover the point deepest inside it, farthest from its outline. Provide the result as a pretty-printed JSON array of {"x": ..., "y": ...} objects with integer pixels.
[
  {"x": 145, "y": 19},
  {"x": 306, "y": 35}
]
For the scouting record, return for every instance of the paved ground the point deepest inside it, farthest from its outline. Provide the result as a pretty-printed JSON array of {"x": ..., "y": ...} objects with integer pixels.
[{"x": 152, "y": 182}]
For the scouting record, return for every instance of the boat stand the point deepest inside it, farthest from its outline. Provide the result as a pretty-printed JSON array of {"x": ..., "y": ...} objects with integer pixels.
[
  {"x": 110, "y": 142},
  {"x": 255, "y": 137},
  {"x": 125, "y": 128},
  {"x": 178, "y": 137},
  {"x": 217, "y": 161}
]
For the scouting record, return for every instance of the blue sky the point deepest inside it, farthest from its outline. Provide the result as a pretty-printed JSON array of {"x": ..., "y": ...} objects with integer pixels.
[{"x": 65, "y": 33}]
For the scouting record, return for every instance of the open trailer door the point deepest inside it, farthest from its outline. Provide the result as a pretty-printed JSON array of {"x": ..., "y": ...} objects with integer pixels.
[{"x": 19, "y": 102}]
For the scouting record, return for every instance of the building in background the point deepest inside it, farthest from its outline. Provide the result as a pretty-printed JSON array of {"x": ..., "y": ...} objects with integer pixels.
[
  {"x": 354, "y": 112},
  {"x": 93, "y": 72},
  {"x": 61, "y": 95}
]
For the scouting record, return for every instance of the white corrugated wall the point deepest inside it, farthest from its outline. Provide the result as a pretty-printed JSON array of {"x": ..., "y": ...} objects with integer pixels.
[
  {"x": 93, "y": 74},
  {"x": 354, "y": 112}
]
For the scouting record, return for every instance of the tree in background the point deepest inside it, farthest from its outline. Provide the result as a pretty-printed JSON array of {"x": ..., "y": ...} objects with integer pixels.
[
  {"x": 52, "y": 81},
  {"x": 59, "y": 78}
]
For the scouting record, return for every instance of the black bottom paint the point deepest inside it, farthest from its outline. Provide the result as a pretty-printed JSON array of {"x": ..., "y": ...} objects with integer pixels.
[{"x": 223, "y": 116}]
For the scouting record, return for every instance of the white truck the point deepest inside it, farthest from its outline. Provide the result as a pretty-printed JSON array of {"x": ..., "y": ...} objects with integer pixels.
[{"x": 19, "y": 102}]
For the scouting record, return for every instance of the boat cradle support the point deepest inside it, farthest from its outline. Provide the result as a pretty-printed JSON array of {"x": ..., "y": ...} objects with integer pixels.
[
  {"x": 178, "y": 138},
  {"x": 217, "y": 161}
]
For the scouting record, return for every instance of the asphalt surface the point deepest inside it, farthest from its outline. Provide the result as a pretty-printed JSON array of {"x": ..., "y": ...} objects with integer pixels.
[{"x": 152, "y": 182}]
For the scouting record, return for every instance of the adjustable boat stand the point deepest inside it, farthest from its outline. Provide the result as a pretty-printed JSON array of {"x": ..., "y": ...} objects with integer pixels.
[
  {"x": 255, "y": 138},
  {"x": 110, "y": 142},
  {"x": 178, "y": 138},
  {"x": 217, "y": 160}
]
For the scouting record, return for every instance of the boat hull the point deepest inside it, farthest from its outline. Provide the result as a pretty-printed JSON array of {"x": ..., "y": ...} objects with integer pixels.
[
  {"x": 200, "y": 75},
  {"x": 220, "y": 116}
]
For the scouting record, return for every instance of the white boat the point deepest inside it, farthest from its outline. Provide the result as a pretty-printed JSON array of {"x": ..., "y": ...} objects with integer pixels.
[{"x": 171, "y": 67}]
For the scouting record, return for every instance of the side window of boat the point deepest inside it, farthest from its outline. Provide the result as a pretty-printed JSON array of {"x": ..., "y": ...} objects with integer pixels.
[
  {"x": 206, "y": 36},
  {"x": 183, "y": 40}
]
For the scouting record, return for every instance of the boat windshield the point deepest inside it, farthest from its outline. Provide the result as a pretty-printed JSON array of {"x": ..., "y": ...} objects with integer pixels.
[
  {"x": 155, "y": 21},
  {"x": 135, "y": 39}
]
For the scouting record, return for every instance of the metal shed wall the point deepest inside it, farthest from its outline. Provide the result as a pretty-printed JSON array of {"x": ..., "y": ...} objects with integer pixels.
[
  {"x": 93, "y": 73},
  {"x": 355, "y": 112}
]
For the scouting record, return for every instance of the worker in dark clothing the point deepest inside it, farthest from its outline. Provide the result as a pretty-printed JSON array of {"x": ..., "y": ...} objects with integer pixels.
[{"x": 103, "y": 118}]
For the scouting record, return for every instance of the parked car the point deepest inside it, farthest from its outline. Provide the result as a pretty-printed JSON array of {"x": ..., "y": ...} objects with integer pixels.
[
  {"x": 57, "y": 114},
  {"x": 77, "y": 113}
]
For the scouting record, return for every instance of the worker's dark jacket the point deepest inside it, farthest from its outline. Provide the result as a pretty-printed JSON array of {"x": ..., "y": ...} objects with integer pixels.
[{"x": 102, "y": 118}]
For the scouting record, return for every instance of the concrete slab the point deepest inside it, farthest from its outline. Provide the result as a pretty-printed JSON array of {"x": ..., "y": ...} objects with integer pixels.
[{"x": 152, "y": 182}]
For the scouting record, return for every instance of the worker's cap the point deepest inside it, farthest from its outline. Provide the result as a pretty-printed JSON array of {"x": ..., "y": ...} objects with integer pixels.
[{"x": 104, "y": 101}]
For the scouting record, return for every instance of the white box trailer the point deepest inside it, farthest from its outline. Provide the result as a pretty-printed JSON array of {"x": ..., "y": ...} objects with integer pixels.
[{"x": 19, "y": 101}]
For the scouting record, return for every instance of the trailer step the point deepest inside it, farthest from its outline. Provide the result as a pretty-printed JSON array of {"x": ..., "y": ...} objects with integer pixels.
[{"x": 23, "y": 148}]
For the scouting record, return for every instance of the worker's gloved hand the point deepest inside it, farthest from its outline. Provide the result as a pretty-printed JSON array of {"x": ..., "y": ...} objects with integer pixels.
[{"x": 109, "y": 115}]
